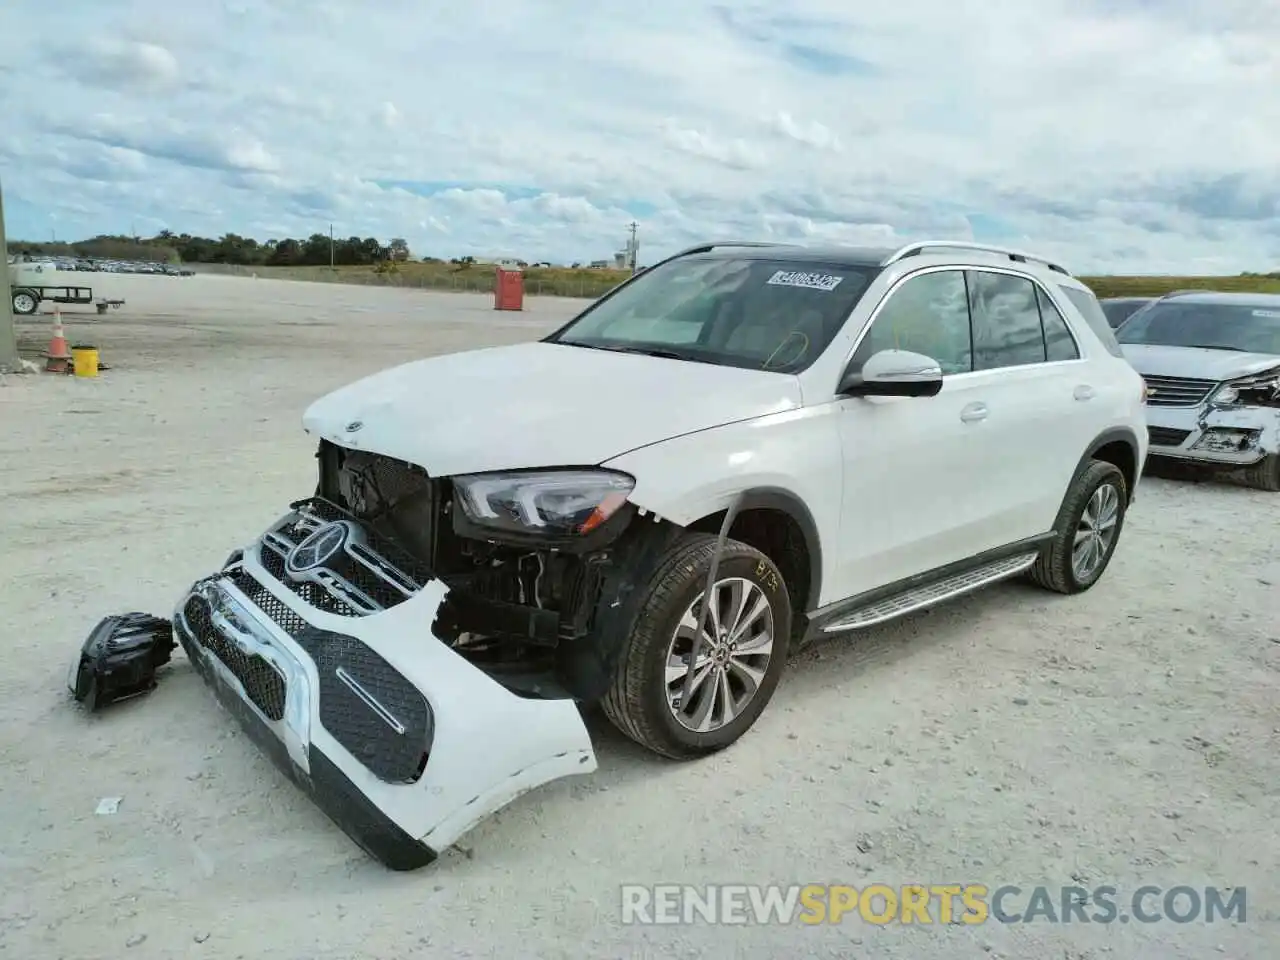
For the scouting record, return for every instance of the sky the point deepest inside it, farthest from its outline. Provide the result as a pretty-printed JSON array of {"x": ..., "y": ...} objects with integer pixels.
[{"x": 1118, "y": 136}]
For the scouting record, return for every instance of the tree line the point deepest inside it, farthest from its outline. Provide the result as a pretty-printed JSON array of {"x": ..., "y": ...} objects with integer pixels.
[{"x": 169, "y": 247}]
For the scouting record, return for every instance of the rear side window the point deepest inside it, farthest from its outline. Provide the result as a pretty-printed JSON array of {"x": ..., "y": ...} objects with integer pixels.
[
  {"x": 1059, "y": 344},
  {"x": 1006, "y": 321},
  {"x": 1091, "y": 310}
]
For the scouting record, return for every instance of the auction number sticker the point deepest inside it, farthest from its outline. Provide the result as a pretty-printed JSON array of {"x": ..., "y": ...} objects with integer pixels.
[
  {"x": 1269, "y": 314},
  {"x": 810, "y": 281}
]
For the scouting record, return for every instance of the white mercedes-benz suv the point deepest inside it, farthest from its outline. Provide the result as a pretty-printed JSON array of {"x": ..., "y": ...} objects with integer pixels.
[
  {"x": 816, "y": 439},
  {"x": 1212, "y": 365}
]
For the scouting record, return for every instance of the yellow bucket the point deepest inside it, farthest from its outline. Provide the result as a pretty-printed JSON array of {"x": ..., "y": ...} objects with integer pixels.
[{"x": 84, "y": 360}]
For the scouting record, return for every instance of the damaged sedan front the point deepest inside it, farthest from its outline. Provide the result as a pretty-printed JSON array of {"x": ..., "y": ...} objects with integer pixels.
[{"x": 1212, "y": 366}]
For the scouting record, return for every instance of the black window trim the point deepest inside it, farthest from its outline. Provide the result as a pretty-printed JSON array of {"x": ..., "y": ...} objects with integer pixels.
[{"x": 963, "y": 269}]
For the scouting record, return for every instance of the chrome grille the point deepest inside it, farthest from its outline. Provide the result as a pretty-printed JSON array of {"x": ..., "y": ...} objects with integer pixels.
[
  {"x": 1177, "y": 391},
  {"x": 367, "y": 575}
]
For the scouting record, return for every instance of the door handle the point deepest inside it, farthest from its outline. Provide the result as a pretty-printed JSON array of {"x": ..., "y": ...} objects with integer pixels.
[
  {"x": 974, "y": 412},
  {"x": 1085, "y": 392}
]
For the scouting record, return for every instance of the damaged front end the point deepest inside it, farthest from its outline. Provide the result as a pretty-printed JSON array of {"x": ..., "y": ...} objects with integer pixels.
[
  {"x": 413, "y": 661},
  {"x": 1229, "y": 425}
]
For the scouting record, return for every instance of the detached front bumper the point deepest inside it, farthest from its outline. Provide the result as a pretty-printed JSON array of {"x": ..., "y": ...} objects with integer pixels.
[
  {"x": 401, "y": 741},
  {"x": 1226, "y": 437}
]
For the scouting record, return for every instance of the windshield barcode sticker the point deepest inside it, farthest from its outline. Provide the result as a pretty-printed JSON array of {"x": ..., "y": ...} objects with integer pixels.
[
  {"x": 1269, "y": 314},
  {"x": 810, "y": 281}
]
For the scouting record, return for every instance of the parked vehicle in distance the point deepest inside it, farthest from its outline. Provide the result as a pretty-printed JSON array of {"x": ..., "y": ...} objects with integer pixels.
[
  {"x": 872, "y": 432},
  {"x": 1212, "y": 366},
  {"x": 1120, "y": 309}
]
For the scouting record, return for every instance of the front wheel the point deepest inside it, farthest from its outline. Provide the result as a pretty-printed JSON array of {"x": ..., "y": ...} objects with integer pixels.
[
  {"x": 25, "y": 302},
  {"x": 1263, "y": 475},
  {"x": 653, "y": 699},
  {"x": 1087, "y": 531}
]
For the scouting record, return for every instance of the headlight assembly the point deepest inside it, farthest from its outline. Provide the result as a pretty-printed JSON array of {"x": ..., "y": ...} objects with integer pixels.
[
  {"x": 550, "y": 503},
  {"x": 1261, "y": 390}
]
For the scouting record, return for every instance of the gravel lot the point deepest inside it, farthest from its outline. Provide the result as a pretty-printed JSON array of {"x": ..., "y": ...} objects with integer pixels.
[{"x": 1127, "y": 737}]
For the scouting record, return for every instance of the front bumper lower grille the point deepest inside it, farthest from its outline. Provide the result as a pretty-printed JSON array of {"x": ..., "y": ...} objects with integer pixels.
[
  {"x": 262, "y": 683},
  {"x": 1167, "y": 436}
]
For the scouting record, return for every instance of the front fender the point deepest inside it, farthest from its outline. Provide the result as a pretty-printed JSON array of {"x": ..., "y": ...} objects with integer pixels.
[{"x": 791, "y": 461}]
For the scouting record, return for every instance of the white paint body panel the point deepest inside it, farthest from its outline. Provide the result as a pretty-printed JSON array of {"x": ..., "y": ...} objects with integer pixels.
[{"x": 539, "y": 404}]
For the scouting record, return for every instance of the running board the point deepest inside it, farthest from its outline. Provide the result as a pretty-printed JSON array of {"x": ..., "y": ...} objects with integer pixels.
[{"x": 926, "y": 595}]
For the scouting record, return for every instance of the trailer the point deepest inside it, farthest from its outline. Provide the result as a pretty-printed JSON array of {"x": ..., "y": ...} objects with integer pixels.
[{"x": 32, "y": 283}]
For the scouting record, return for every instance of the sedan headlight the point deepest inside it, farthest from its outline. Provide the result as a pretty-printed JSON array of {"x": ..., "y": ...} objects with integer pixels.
[
  {"x": 551, "y": 503},
  {"x": 1258, "y": 390}
]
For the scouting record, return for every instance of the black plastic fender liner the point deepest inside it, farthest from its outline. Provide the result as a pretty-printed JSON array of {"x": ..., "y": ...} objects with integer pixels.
[{"x": 120, "y": 658}]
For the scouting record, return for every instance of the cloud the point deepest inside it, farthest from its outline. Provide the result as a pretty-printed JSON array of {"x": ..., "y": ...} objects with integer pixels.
[{"x": 1116, "y": 135}]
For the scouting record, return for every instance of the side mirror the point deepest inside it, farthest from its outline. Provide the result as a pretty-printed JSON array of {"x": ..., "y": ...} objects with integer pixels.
[{"x": 893, "y": 373}]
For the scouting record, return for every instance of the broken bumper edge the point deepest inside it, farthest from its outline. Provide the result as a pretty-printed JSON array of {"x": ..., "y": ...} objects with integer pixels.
[
  {"x": 329, "y": 788},
  {"x": 397, "y": 738}
]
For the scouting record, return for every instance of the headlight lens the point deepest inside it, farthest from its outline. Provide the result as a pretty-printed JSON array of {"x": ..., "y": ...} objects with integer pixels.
[
  {"x": 1261, "y": 389},
  {"x": 553, "y": 503}
]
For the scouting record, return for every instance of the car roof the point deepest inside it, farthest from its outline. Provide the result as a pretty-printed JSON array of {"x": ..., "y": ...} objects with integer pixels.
[{"x": 1224, "y": 298}]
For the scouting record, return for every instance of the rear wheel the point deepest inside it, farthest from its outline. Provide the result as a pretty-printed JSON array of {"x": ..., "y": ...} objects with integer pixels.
[
  {"x": 1088, "y": 529},
  {"x": 653, "y": 698}
]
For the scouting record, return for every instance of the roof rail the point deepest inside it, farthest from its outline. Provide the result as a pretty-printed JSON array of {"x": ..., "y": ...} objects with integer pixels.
[
  {"x": 920, "y": 246},
  {"x": 711, "y": 245}
]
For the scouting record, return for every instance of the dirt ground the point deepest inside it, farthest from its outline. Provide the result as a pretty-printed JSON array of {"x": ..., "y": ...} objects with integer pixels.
[{"x": 1129, "y": 736}]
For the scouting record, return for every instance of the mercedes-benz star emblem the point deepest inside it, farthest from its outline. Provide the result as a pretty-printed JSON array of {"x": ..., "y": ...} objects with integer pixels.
[{"x": 317, "y": 549}]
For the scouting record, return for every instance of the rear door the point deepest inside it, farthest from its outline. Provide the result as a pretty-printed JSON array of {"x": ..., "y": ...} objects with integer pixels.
[{"x": 1041, "y": 417}]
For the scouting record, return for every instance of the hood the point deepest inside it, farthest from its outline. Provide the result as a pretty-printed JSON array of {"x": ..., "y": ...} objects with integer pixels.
[
  {"x": 1217, "y": 365},
  {"x": 538, "y": 405}
]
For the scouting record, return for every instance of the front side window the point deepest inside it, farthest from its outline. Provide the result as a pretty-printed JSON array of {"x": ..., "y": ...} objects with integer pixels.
[
  {"x": 927, "y": 314},
  {"x": 758, "y": 314},
  {"x": 1253, "y": 328}
]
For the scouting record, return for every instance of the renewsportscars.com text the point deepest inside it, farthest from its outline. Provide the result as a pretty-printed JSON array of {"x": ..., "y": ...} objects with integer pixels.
[{"x": 927, "y": 904}]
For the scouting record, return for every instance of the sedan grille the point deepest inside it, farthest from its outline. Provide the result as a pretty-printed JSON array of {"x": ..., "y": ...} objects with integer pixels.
[{"x": 1177, "y": 391}]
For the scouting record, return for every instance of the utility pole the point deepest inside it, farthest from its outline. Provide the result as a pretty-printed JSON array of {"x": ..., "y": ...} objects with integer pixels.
[
  {"x": 633, "y": 247},
  {"x": 8, "y": 335},
  {"x": 331, "y": 246}
]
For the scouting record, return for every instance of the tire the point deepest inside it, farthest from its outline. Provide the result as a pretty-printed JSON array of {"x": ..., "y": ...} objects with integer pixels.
[
  {"x": 1263, "y": 475},
  {"x": 637, "y": 701},
  {"x": 25, "y": 302},
  {"x": 1055, "y": 568}
]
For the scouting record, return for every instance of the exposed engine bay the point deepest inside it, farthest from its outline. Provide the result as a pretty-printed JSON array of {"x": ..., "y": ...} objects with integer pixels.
[{"x": 528, "y": 613}]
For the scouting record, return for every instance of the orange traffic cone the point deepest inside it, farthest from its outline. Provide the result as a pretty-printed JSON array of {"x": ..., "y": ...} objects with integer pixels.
[{"x": 59, "y": 357}]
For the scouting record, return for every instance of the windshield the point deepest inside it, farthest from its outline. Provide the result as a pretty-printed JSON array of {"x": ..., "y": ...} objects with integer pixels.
[
  {"x": 1252, "y": 328},
  {"x": 1118, "y": 311},
  {"x": 759, "y": 314}
]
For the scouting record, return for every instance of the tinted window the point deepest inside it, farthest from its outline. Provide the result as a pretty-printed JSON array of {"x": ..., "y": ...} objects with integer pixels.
[
  {"x": 1253, "y": 327},
  {"x": 1091, "y": 310},
  {"x": 928, "y": 314},
  {"x": 1058, "y": 342},
  {"x": 762, "y": 314},
  {"x": 1006, "y": 321}
]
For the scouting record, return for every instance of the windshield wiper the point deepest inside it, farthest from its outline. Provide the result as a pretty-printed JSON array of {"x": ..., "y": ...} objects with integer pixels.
[
  {"x": 1213, "y": 346},
  {"x": 620, "y": 348}
]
